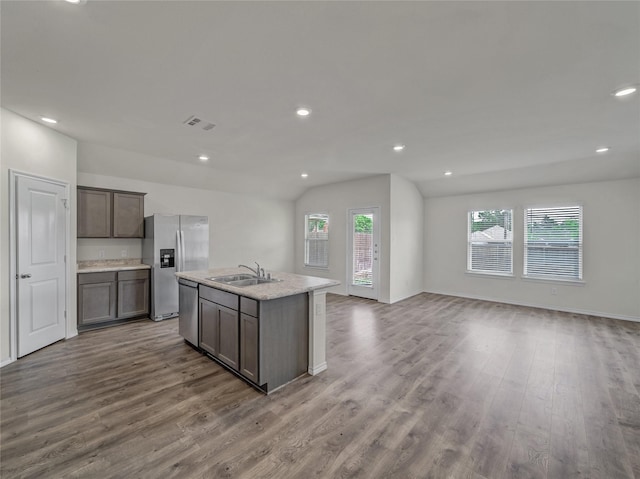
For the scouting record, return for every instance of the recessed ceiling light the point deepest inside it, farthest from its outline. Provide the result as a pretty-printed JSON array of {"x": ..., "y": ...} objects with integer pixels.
[
  {"x": 77, "y": 2},
  {"x": 48, "y": 120},
  {"x": 398, "y": 147},
  {"x": 304, "y": 175},
  {"x": 303, "y": 111},
  {"x": 628, "y": 90},
  {"x": 203, "y": 157},
  {"x": 604, "y": 149},
  {"x": 448, "y": 173}
]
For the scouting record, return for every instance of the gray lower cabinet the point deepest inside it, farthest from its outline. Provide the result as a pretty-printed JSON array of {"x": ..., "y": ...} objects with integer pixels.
[
  {"x": 133, "y": 293},
  {"x": 209, "y": 326},
  {"x": 249, "y": 347},
  {"x": 219, "y": 325},
  {"x": 283, "y": 340},
  {"x": 110, "y": 297},
  {"x": 249, "y": 340},
  {"x": 96, "y": 298},
  {"x": 267, "y": 342}
]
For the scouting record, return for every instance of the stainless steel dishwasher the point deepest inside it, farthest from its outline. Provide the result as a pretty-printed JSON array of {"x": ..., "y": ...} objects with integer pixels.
[{"x": 188, "y": 311}]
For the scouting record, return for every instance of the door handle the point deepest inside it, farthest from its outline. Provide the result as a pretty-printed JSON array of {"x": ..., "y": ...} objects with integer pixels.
[
  {"x": 178, "y": 256},
  {"x": 25, "y": 276}
]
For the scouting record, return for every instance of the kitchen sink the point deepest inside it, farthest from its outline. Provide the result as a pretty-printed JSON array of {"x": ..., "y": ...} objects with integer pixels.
[
  {"x": 241, "y": 280},
  {"x": 253, "y": 281},
  {"x": 231, "y": 277}
]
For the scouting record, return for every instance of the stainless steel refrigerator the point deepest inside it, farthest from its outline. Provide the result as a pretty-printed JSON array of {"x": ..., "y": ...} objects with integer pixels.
[{"x": 173, "y": 243}]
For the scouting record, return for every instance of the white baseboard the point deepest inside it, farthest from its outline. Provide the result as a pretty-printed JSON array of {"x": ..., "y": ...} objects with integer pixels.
[
  {"x": 600, "y": 314},
  {"x": 318, "y": 369},
  {"x": 6, "y": 361}
]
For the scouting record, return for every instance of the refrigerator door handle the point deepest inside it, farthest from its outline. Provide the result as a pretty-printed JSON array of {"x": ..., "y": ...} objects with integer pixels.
[
  {"x": 178, "y": 251},
  {"x": 182, "y": 252}
]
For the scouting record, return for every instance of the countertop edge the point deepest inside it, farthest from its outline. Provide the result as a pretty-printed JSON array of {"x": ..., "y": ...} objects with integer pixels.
[
  {"x": 262, "y": 292},
  {"x": 108, "y": 269}
]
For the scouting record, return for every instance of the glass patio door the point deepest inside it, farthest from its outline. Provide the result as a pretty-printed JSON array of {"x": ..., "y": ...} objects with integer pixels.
[{"x": 364, "y": 248}]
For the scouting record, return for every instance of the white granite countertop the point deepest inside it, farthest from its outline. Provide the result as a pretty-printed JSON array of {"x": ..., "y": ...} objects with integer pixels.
[
  {"x": 290, "y": 285},
  {"x": 107, "y": 265}
]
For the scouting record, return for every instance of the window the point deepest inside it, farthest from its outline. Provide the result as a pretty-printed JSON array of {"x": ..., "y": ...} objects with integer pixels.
[
  {"x": 316, "y": 248},
  {"x": 490, "y": 242},
  {"x": 553, "y": 242}
]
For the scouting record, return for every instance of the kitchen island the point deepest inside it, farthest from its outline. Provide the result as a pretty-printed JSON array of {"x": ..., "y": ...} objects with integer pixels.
[{"x": 268, "y": 333}]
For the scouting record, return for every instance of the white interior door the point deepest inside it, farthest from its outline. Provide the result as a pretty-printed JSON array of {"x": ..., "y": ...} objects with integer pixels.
[
  {"x": 363, "y": 251},
  {"x": 41, "y": 273}
]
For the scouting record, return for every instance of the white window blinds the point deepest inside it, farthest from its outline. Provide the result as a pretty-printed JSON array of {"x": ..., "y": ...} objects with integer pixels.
[
  {"x": 316, "y": 249},
  {"x": 490, "y": 242},
  {"x": 553, "y": 242}
]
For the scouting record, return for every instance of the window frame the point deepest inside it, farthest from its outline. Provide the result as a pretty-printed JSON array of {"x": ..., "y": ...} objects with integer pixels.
[
  {"x": 489, "y": 272},
  {"x": 307, "y": 240},
  {"x": 579, "y": 247}
]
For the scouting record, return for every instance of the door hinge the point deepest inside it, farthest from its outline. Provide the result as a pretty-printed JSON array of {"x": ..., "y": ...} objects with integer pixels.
[
  {"x": 65, "y": 314},
  {"x": 65, "y": 258}
]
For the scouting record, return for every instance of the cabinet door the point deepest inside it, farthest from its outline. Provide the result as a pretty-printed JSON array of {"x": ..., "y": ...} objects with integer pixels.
[
  {"x": 128, "y": 215},
  {"x": 228, "y": 347},
  {"x": 209, "y": 326},
  {"x": 94, "y": 213},
  {"x": 249, "y": 341},
  {"x": 96, "y": 302},
  {"x": 133, "y": 295}
]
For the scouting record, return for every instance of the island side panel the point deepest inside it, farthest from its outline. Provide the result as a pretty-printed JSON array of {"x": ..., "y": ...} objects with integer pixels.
[
  {"x": 317, "y": 332},
  {"x": 284, "y": 336}
]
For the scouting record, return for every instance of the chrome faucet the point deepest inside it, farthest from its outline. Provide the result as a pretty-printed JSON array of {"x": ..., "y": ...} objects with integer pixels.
[{"x": 254, "y": 271}]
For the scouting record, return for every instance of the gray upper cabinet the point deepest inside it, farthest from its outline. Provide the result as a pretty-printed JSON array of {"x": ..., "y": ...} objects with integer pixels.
[
  {"x": 106, "y": 213},
  {"x": 128, "y": 215},
  {"x": 94, "y": 213}
]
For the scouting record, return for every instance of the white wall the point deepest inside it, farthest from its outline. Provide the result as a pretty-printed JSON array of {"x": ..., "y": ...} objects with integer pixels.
[
  {"x": 336, "y": 199},
  {"x": 406, "y": 234},
  {"x": 90, "y": 248},
  {"x": 611, "y": 241},
  {"x": 32, "y": 148},
  {"x": 243, "y": 228}
]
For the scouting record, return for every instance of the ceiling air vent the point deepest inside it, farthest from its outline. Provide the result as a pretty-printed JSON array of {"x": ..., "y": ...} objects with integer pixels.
[{"x": 199, "y": 122}]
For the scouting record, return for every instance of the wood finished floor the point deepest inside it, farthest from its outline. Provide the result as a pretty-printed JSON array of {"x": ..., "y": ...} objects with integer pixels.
[{"x": 433, "y": 386}]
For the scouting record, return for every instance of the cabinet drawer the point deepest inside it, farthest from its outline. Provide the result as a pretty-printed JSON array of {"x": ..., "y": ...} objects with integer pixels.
[
  {"x": 88, "y": 278},
  {"x": 249, "y": 306},
  {"x": 229, "y": 300},
  {"x": 133, "y": 274}
]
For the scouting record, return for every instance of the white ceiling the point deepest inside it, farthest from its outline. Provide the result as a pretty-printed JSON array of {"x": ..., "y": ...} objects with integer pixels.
[{"x": 504, "y": 94}]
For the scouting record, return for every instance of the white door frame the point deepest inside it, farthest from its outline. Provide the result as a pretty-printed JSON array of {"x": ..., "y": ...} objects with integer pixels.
[
  {"x": 13, "y": 257},
  {"x": 376, "y": 238}
]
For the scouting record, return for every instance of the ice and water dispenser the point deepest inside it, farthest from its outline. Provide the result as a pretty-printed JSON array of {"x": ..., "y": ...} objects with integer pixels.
[{"x": 167, "y": 258}]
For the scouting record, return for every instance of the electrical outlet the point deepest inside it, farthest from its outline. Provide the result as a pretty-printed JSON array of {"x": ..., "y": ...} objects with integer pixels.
[
  {"x": 124, "y": 253},
  {"x": 554, "y": 291},
  {"x": 101, "y": 253}
]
